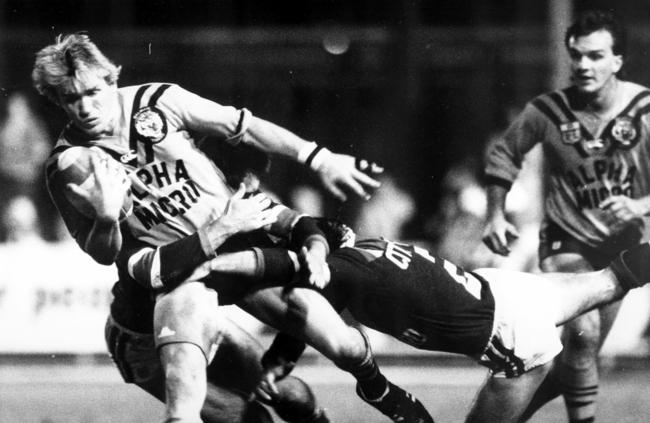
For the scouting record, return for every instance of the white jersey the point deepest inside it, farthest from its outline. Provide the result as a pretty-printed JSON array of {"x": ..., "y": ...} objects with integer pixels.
[{"x": 176, "y": 188}]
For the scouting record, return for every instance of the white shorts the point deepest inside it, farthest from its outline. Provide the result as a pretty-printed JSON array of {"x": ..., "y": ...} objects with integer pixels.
[{"x": 524, "y": 335}]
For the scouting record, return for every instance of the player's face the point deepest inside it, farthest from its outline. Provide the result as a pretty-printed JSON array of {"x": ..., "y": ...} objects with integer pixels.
[
  {"x": 593, "y": 62},
  {"x": 89, "y": 103}
]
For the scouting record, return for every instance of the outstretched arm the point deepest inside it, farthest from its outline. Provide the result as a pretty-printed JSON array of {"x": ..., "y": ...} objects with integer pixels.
[{"x": 339, "y": 173}]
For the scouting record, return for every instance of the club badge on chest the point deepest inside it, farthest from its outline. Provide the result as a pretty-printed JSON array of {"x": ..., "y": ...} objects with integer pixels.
[
  {"x": 571, "y": 132},
  {"x": 150, "y": 123},
  {"x": 624, "y": 132}
]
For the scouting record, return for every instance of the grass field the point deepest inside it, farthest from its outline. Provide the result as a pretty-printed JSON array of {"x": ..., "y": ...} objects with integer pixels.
[{"x": 93, "y": 393}]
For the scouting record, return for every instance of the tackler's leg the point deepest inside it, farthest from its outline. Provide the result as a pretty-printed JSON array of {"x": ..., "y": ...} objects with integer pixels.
[
  {"x": 307, "y": 315},
  {"x": 575, "y": 372}
]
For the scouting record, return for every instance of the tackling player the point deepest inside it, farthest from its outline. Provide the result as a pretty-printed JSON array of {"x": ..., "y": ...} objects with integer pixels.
[
  {"x": 596, "y": 141},
  {"x": 505, "y": 320},
  {"x": 178, "y": 193}
]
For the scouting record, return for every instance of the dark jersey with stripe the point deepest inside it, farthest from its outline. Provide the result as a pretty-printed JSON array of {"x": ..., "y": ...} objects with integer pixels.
[
  {"x": 588, "y": 158},
  {"x": 403, "y": 291}
]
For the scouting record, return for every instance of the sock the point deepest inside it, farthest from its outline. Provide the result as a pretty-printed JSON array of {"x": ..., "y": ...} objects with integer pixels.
[
  {"x": 372, "y": 383},
  {"x": 632, "y": 267},
  {"x": 580, "y": 390}
]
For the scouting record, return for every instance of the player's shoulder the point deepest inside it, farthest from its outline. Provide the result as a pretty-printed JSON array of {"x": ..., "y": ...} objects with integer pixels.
[
  {"x": 551, "y": 107},
  {"x": 632, "y": 88},
  {"x": 147, "y": 90},
  {"x": 635, "y": 95},
  {"x": 147, "y": 86},
  {"x": 553, "y": 97}
]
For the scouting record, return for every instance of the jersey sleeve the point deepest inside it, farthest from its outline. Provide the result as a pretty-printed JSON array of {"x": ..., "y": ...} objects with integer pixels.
[
  {"x": 505, "y": 154},
  {"x": 187, "y": 110}
]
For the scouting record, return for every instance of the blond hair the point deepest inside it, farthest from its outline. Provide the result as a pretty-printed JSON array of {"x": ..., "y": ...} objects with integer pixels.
[{"x": 71, "y": 58}]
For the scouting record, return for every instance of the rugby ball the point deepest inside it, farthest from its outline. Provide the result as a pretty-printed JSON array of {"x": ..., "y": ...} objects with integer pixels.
[{"x": 74, "y": 166}]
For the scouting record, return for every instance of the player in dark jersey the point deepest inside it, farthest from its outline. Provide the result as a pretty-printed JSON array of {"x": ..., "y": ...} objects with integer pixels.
[
  {"x": 152, "y": 131},
  {"x": 596, "y": 141},
  {"x": 139, "y": 268},
  {"x": 505, "y": 320}
]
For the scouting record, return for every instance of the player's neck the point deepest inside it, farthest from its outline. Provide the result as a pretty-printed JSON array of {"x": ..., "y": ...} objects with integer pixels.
[{"x": 604, "y": 100}]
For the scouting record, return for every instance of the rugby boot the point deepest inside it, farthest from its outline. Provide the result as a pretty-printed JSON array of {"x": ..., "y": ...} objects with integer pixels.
[{"x": 400, "y": 406}]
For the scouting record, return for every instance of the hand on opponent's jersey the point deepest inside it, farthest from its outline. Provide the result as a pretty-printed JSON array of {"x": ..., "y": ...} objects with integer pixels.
[
  {"x": 620, "y": 210},
  {"x": 340, "y": 172},
  {"x": 106, "y": 196},
  {"x": 498, "y": 234},
  {"x": 248, "y": 214},
  {"x": 241, "y": 215}
]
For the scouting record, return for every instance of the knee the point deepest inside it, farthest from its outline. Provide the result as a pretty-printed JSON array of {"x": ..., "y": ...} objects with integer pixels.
[
  {"x": 583, "y": 335},
  {"x": 193, "y": 303},
  {"x": 354, "y": 351},
  {"x": 188, "y": 315}
]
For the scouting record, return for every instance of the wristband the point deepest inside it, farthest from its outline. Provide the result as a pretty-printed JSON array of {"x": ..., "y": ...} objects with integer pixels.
[
  {"x": 304, "y": 231},
  {"x": 274, "y": 266},
  {"x": 313, "y": 155},
  {"x": 179, "y": 259},
  {"x": 306, "y": 151}
]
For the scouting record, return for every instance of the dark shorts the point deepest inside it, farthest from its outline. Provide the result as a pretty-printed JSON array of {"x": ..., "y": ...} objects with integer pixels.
[
  {"x": 236, "y": 366},
  {"x": 555, "y": 240}
]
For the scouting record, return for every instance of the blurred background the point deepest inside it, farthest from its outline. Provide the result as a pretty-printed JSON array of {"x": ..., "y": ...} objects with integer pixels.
[{"x": 418, "y": 86}]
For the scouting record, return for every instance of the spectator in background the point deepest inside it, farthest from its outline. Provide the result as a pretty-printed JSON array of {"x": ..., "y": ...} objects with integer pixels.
[
  {"x": 24, "y": 146},
  {"x": 455, "y": 228},
  {"x": 21, "y": 221},
  {"x": 386, "y": 212}
]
